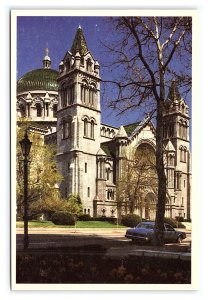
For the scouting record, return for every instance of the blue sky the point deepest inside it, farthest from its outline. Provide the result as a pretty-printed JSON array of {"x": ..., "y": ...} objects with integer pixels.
[{"x": 34, "y": 34}]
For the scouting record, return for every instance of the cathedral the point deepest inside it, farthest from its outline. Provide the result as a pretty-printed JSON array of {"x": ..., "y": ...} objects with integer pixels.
[{"x": 65, "y": 106}]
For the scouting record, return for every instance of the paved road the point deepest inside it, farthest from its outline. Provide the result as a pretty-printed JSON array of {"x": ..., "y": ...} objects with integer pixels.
[{"x": 60, "y": 238}]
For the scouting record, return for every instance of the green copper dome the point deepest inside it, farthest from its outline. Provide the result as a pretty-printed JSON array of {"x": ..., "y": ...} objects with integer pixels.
[{"x": 40, "y": 79}]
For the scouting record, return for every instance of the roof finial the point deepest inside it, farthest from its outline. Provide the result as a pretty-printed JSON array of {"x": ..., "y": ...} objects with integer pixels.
[
  {"x": 46, "y": 60},
  {"x": 47, "y": 51}
]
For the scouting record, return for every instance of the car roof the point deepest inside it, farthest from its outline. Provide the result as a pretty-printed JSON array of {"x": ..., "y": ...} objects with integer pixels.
[
  {"x": 152, "y": 222},
  {"x": 148, "y": 222}
]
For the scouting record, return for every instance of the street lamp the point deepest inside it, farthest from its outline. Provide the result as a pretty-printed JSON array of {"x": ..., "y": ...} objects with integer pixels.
[{"x": 25, "y": 146}]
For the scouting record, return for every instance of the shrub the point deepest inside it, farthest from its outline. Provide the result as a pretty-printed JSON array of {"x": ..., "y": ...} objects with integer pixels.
[
  {"x": 63, "y": 218},
  {"x": 85, "y": 217},
  {"x": 130, "y": 220},
  {"x": 174, "y": 223},
  {"x": 111, "y": 220},
  {"x": 180, "y": 219}
]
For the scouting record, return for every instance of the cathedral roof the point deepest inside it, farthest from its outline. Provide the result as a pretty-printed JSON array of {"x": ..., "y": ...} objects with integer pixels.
[
  {"x": 131, "y": 127},
  {"x": 40, "y": 79},
  {"x": 79, "y": 43}
]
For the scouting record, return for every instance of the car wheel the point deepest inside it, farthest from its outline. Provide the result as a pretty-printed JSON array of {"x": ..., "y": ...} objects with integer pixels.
[{"x": 179, "y": 239}]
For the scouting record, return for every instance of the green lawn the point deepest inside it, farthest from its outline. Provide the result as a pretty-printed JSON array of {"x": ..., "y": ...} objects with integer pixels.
[{"x": 80, "y": 224}]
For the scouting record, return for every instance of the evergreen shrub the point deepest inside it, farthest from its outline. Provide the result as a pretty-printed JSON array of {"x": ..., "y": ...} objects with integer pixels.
[
  {"x": 130, "y": 220},
  {"x": 63, "y": 218},
  {"x": 174, "y": 223},
  {"x": 85, "y": 217}
]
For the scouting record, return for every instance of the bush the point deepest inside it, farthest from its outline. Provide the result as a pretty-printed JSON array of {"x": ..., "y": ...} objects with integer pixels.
[
  {"x": 85, "y": 217},
  {"x": 174, "y": 223},
  {"x": 180, "y": 219},
  {"x": 111, "y": 220},
  {"x": 63, "y": 218},
  {"x": 130, "y": 220}
]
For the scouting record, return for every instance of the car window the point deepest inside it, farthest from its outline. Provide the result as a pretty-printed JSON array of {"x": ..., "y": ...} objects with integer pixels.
[
  {"x": 145, "y": 226},
  {"x": 169, "y": 227}
]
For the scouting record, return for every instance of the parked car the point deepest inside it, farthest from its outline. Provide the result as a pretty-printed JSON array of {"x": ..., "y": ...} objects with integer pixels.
[{"x": 144, "y": 232}]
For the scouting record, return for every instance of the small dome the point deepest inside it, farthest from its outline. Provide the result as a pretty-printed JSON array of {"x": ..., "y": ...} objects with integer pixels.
[
  {"x": 47, "y": 58},
  {"x": 40, "y": 79}
]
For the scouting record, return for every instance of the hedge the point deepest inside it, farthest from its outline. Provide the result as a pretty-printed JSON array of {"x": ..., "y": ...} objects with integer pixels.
[
  {"x": 130, "y": 220},
  {"x": 63, "y": 218}
]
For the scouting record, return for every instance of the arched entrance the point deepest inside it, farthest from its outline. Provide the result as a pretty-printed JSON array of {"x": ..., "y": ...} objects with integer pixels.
[
  {"x": 147, "y": 177},
  {"x": 150, "y": 206}
]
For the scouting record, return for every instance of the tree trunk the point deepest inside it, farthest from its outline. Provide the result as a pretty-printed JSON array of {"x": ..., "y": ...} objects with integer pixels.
[{"x": 160, "y": 212}]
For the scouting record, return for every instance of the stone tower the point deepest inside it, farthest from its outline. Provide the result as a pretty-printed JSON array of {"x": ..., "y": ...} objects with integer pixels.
[
  {"x": 78, "y": 121},
  {"x": 177, "y": 149}
]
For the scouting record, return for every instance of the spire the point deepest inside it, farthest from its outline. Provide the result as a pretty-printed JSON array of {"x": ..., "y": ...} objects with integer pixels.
[
  {"x": 79, "y": 44},
  {"x": 174, "y": 94},
  {"x": 46, "y": 60},
  {"x": 121, "y": 133},
  {"x": 169, "y": 147}
]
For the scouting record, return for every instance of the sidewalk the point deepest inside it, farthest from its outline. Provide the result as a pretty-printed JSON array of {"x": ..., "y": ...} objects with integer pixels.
[{"x": 84, "y": 231}]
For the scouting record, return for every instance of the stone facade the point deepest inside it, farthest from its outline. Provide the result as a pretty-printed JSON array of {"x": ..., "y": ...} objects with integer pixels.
[
  {"x": 37, "y": 96},
  {"x": 92, "y": 155}
]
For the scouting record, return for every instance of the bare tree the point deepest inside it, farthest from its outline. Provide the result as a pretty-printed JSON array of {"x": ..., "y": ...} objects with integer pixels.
[
  {"x": 137, "y": 179},
  {"x": 147, "y": 53}
]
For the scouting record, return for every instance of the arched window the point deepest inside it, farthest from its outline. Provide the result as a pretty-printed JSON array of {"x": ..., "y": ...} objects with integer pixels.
[
  {"x": 171, "y": 160},
  {"x": 183, "y": 154},
  {"x": 64, "y": 95},
  {"x": 85, "y": 127},
  {"x": 90, "y": 96},
  {"x": 55, "y": 110},
  {"x": 22, "y": 110},
  {"x": 64, "y": 128},
  {"x": 71, "y": 94},
  {"x": 67, "y": 128},
  {"x": 108, "y": 172},
  {"x": 177, "y": 180},
  {"x": 88, "y": 65},
  {"x": 39, "y": 110},
  {"x": 84, "y": 91},
  {"x": 92, "y": 128}
]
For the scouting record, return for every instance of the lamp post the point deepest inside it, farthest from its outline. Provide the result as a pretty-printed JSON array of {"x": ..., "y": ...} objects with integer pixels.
[{"x": 25, "y": 144}]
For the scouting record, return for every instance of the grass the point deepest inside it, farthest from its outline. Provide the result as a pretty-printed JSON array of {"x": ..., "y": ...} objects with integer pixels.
[{"x": 80, "y": 224}]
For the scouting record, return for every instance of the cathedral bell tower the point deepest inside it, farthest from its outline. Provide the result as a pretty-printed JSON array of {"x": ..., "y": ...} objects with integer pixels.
[
  {"x": 177, "y": 146},
  {"x": 78, "y": 119}
]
